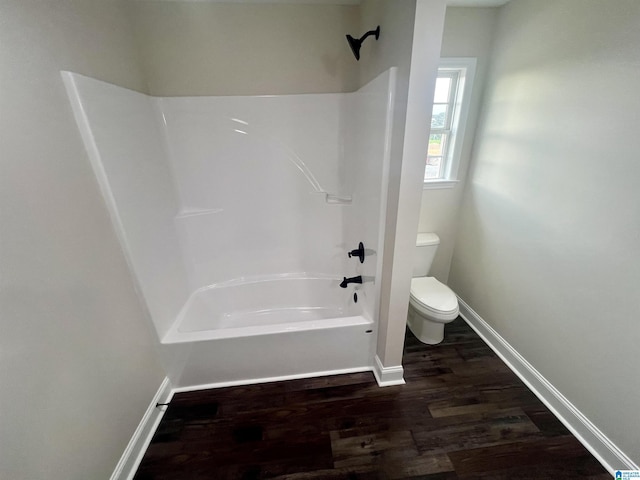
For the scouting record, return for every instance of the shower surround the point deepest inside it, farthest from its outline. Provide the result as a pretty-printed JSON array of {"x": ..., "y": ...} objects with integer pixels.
[{"x": 236, "y": 214}]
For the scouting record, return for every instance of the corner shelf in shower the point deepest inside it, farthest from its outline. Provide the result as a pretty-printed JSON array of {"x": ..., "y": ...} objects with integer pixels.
[
  {"x": 197, "y": 212},
  {"x": 335, "y": 199}
]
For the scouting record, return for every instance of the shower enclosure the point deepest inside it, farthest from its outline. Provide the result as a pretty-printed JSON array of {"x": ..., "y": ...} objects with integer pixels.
[{"x": 236, "y": 215}]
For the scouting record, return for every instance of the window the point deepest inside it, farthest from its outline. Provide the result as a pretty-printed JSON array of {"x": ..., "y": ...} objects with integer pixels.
[{"x": 450, "y": 107}]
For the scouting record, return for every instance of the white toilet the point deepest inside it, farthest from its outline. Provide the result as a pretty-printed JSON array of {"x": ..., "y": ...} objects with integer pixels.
[{"x": 431, "y": 304}]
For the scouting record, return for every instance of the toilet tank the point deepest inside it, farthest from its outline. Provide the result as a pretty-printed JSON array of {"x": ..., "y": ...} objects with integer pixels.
[{"x": 426, "y": 246}]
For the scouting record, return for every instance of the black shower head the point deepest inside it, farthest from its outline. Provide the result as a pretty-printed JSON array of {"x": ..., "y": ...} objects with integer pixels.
[{"x": 356, "y": 43}]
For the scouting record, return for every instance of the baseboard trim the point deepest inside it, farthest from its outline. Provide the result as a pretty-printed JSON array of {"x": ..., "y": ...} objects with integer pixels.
[
  {"x": 605, "y": 451},
  {"x": 388, "y": 376},
  {"x": 282, "y": 378},
  {"x": 132, "y": 456}
]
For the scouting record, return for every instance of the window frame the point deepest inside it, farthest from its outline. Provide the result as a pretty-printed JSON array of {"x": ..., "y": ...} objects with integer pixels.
[{"x": 465, "y": 68}]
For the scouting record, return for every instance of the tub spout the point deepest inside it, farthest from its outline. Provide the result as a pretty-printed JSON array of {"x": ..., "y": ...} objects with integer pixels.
[{"x": 347, "y": 281}]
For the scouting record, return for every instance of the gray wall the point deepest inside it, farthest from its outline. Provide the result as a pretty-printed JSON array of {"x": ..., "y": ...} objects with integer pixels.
[
  {"x": 77, "y": 361},
  {"x": 202, "y": 48},
  {"x": 548, "y": 249}
]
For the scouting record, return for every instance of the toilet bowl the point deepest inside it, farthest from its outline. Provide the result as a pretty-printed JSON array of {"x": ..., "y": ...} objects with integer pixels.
[{"x": 431, "y": 303}]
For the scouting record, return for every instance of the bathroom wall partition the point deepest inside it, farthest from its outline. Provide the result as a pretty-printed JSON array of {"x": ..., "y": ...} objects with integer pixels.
[{"x": 236, "y": 214}]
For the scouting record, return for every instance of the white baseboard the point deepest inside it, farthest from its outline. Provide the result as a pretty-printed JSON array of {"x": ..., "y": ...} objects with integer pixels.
[
  {"x": 132, "y": 456},
  {"x": 388, "y": 376},
  {"x": 607, "y": 453}
]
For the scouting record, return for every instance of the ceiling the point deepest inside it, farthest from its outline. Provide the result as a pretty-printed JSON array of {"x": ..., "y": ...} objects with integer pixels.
[
  {"x": 476, "y": 3},
  {"x": 450, "y": 3}
]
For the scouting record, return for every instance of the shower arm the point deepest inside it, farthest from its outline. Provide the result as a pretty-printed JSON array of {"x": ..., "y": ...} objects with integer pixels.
[
  {"x": 369, "y": 33},
  {"x": 356, "y": 43}
]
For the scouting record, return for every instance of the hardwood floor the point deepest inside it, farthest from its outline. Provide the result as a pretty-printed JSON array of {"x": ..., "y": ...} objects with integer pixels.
[{"x": 461, "y": 415}]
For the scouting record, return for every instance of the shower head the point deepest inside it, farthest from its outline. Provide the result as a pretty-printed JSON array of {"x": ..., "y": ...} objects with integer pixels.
[{"x": 356, "y": 43}]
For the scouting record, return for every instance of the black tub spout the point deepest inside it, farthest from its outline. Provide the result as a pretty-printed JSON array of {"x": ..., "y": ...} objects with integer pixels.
[{"x": 347, "y": 281}]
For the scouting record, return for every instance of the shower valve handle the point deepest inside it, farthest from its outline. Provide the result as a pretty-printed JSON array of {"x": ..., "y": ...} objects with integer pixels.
[{"x": 358, "y": 252}]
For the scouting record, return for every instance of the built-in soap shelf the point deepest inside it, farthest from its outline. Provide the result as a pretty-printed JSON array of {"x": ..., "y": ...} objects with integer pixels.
[
  {"x": 197, "y": 212},
  {"x": 334, "y": 199},
  {"x": 329, "y": 198}
]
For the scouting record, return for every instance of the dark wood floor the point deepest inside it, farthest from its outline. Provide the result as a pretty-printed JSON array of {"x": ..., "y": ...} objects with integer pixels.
[{"x": 462, "y": 415}]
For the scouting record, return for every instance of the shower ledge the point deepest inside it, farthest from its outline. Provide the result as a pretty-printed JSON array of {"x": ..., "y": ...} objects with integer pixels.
[
  {"x": 196, "y": 212},
  {"x": 335, "y": 199},
  {"x": 329, "y": 198}
]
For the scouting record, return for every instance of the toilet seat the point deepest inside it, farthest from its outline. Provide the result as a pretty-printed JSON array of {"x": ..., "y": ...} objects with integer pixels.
[{"x": 433, "y": 298}]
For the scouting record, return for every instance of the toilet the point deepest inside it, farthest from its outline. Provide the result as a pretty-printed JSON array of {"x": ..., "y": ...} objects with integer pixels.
[{"x": 431, "y": 303}]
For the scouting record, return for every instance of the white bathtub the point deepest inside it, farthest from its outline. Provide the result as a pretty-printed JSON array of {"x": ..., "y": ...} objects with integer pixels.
[
  {"x": 265, "y": 305},
  {"x": 180, "y": 178},
  {"x": 269, "y": 328}
]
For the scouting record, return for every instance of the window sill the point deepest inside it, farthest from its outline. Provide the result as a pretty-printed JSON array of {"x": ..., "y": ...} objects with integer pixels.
[{"x": 438, "y": 184}]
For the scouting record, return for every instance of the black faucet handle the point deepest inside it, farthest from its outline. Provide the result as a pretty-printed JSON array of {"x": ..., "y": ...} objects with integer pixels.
[{"x": 358, "y": 252}]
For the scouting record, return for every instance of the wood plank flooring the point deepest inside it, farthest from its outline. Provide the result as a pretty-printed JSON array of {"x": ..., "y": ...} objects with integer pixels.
[{"x": 461, "y": 415}]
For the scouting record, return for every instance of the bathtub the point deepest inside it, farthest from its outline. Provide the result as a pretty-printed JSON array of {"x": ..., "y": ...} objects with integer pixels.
[
  {"x": 178, "y": 176},
  {"x": 268, "y": 328}
]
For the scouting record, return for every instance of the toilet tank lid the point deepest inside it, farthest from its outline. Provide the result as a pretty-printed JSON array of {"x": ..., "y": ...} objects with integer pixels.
[{"x": 426, "y": 239}]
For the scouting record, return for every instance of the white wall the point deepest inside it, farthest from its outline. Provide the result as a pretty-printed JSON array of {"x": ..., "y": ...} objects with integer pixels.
[
  {"x": 202, "y": 48},
  {"x": 368, "y": 117},
  {"x": 247, "y": 185},
  {"x": 240, "y": 189},
  {"x": 548, "y": 250},
  {"x": 468, "y": 32},
  {"x": 251, "y": 172},
  {"x": 415, "y": 51},
  {"x": 123, "y": 137},
  {"x": 77, "y": 361}
]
